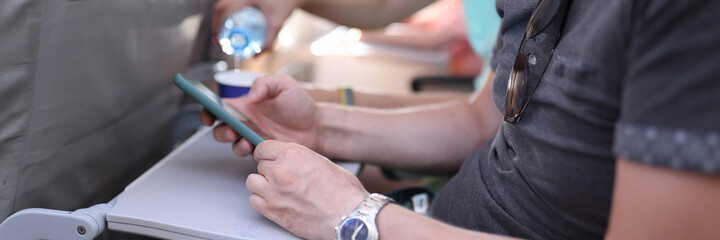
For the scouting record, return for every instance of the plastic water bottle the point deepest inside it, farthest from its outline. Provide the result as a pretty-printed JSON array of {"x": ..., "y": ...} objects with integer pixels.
[{"x": 242, "y": 35}]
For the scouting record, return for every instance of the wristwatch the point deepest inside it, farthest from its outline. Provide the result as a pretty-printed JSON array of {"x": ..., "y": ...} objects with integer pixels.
[{"x": 360, "y": 224}]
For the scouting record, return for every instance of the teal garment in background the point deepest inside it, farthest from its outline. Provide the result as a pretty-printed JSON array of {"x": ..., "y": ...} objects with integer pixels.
[{"x": 483, "y": 23}]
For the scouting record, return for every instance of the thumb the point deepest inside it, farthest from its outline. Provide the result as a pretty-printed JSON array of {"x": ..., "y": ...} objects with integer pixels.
[
  {"x": 264, "y": 87},
  {"x": 269, "y": 150}
]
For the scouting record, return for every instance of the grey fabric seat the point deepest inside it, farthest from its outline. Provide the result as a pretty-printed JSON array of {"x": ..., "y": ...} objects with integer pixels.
[{"x": 86, "y": 98}]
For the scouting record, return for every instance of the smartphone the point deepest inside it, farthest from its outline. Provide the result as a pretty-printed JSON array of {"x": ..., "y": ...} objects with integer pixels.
[{"x": 223, "y": 111}]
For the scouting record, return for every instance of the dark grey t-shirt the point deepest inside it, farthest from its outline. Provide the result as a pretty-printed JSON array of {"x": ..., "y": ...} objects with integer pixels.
[{"x": 638, "y": 79}]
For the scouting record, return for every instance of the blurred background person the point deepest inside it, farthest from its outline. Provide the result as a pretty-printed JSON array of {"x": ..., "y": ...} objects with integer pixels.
[
  {"x": 440, "y": 25},
  {"x": 425, "y": 24}
]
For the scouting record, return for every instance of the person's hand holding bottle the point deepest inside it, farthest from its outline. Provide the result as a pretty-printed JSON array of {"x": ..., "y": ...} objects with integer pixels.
[{"x": 275, "y": 11}]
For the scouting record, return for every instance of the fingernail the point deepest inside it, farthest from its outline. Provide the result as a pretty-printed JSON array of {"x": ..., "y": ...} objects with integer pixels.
[{"x": 229, "y": 135}]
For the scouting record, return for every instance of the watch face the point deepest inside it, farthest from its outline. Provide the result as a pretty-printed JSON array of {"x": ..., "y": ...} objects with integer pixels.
[{"x": 354, "y": 229}]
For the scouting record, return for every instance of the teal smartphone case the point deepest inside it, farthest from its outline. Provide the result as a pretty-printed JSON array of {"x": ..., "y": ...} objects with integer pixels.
[{"x": 191, "y": 87}]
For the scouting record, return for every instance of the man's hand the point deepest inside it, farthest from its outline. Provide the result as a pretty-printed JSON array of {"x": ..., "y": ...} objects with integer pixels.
[
  {"x": 301, "y": 190},
  {"x": 277, "y": 105},
  {"x": 276, "y": 12}
]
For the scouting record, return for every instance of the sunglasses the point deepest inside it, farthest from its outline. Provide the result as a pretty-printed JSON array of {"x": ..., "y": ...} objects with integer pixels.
[{"x": 531, "y": 61}]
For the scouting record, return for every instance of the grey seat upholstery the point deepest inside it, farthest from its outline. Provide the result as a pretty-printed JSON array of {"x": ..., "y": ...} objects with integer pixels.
[{"x": 86, "y": 95}]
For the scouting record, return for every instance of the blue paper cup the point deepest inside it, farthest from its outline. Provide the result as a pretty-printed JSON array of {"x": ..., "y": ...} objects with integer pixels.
[{"x": 232, "y": 84}]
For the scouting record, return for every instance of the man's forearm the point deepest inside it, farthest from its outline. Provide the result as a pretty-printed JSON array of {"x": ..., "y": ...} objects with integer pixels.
[
  {"x": 395, "y": 222},
  {"x": 365, "y": 99},
  {"x": 433, "y": 138},
  {"x": 378, "y": 99},
  {"x": 364, "y": 13}
]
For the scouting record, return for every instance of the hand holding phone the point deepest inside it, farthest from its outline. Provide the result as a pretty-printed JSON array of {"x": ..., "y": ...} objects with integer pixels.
[{"x": 214, "y": 104}]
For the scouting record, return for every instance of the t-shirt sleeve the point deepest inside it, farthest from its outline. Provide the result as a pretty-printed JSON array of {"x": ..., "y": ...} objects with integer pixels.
[{"x": 670, "y": 112}]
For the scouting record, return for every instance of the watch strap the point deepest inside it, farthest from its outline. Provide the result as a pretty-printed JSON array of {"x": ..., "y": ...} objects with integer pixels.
[{"x": 373, "y": 203}]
